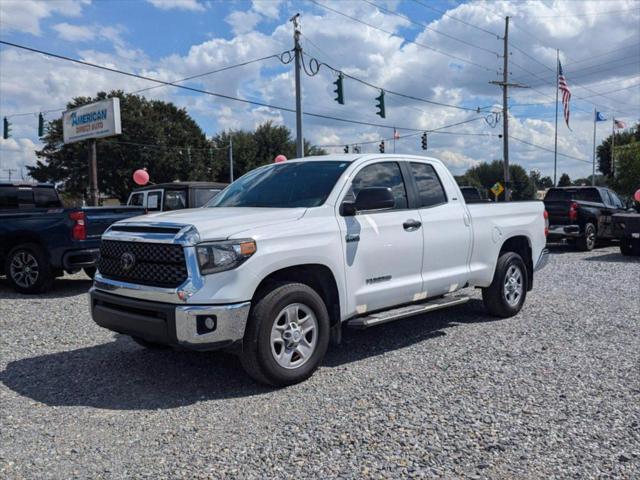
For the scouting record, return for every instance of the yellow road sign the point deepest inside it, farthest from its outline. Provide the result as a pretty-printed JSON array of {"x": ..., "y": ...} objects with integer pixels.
[{"x": 497, "y": 189}]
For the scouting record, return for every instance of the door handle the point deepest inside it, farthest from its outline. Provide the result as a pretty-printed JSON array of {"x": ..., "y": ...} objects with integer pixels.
[
  {"x": 411, "y": 225},
  {"x": 352, "y": 237}
]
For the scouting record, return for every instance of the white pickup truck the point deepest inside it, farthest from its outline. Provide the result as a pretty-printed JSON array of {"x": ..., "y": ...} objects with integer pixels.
[{"x": 274, "y": 265}]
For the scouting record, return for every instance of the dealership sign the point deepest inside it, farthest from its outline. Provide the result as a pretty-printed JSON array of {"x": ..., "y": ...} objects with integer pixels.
[{"x": 96, "y": 120}]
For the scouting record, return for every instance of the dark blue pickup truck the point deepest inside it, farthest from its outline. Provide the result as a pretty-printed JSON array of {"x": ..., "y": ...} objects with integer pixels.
[{"x": 40, "y": 240}]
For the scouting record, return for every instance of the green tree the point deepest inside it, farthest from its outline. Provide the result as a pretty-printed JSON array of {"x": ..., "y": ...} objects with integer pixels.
[
  {"x": 627, "y": 175},
  {"x": 604, "y": 149},
  {"x": 485, "y": 175},
  {"x": 565, "y": 180},
  {"x": 253, "y": 149},
  {"x": 545, "y": 182},
  {"x": 177, "y": 149}
]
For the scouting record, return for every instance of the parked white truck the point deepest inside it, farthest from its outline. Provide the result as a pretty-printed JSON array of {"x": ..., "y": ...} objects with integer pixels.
[{"x": 275, "y": 265}]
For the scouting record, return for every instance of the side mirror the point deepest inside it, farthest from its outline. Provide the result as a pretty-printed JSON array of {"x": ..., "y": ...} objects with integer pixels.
[{"x": 371, "y": 198}]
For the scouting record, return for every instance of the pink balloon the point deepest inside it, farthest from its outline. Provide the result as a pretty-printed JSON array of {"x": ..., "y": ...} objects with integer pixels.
[
  {"x": 280, "y": 158},
  {"x": 141, "y": 177},
  {"x": 637, "y": 195}
]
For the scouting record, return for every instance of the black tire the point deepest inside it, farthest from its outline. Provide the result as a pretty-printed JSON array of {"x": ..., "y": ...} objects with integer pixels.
[
  {"x": 90, "y": 272},
  {"x": 149, "y": 345},
  {"x": 630, "y": 247},
  {"x": 587, "y": 241},
  {"x": 258, "y": 356},
  {"x": 27, "y": 269},
  {"x": 495, "y": 297}
]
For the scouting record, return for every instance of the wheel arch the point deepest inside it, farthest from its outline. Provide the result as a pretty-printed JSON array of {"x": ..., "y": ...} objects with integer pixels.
[
  {"x": 317, "y": 276},
  {"x": 520, "y": 244}
]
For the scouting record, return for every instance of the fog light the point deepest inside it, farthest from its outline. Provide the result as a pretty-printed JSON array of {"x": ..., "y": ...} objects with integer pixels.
[{"x": 206, "y": 323}]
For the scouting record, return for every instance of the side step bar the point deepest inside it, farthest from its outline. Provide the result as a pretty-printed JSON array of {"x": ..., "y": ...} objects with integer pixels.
[{"x": 404, "y": 312}]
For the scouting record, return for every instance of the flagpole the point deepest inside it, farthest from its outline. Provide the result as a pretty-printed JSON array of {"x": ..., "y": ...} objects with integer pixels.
[
  {"x": 593, "y": 175},
  {"x": 394, "y": 139},
  {"x": 555, "y": 148}
]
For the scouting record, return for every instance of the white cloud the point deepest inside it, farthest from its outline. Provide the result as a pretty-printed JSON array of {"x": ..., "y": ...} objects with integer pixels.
[
  {"x": 267, "y": 8},
  {"x": 243, "y": 22},
  {"x": 191, "y": 5},
  {"x": 89, "y": 33},
  {"x": 25, "y": 15}
]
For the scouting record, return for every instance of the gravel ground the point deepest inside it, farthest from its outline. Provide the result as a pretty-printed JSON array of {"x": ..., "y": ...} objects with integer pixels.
[{"x": 551, "y": 393}]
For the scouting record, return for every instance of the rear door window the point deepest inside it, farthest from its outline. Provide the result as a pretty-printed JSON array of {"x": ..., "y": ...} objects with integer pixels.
[
  {"x": 203, "y": 195},
  {"x": 385, "y": 174},
  {"x": 175, "y": 200},
  {"x": 429, "y": 186},
  {"x": 46, "y": 198},
  {"x": 153, "y": 201},
  {"x": 136, "y": 199}
]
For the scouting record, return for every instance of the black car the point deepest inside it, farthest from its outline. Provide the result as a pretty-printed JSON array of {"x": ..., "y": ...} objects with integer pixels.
[
  {"x": 582, "y": 214},
  {"x": 40, "y": 239}
]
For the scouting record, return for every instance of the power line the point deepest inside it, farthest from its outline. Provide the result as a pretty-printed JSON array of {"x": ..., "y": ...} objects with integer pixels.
[
  {"x": 426, "y": 27},
  {"x": 445, "y": 14},
  {"x": 199, "y": 90},
  {"x": 315, "y": 65},
  {"x": 401, "y": 37},
  {"x": 281, "y": 56},
  {"x": 549, "y": 150},
  {"x": 590, "y": 14}
]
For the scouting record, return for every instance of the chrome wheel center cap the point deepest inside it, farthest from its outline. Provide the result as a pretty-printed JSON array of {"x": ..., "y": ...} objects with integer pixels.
[{"x": 292, "y": 335}]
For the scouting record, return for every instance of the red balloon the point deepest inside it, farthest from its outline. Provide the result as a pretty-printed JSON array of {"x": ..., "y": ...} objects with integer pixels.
[
  {"x": 280, "y": 158},
  {"x": 141, "y": 177},
  {"x": 637, "y": 195}
]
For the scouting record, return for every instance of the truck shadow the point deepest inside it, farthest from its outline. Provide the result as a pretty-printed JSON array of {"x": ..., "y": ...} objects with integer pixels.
[
  {"x": 120, "y": 375},
  {"x": 613, "y": 258},
  {"x": 62, "y": 288}
]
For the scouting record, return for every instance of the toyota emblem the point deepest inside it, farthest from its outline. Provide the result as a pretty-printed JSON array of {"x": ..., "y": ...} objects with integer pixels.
[{"x": 127, "y": 261}]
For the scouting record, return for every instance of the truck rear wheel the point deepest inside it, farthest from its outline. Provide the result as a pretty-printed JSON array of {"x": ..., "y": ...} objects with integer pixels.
[
  {"x": 287, "y": 335},
  {"x": 587, "y": 241},
  {"x": 508, "y": 290},
  {"x": 28, "y": 270}
]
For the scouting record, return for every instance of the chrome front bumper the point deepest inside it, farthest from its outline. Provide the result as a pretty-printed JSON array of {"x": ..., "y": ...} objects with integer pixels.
[
  {"x": 169, "y": 324},
  {"x": 543, "y": 259}
]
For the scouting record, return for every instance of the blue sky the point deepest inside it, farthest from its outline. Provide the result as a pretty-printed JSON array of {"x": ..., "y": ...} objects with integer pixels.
[{"x": 172, "y": 39}]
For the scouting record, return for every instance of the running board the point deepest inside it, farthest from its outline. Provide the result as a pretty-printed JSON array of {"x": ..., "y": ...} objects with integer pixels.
[{"x": 404, "y": 312}]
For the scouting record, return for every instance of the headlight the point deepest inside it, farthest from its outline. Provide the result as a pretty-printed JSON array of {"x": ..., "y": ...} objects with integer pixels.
[{"x": 221, "y": 256}]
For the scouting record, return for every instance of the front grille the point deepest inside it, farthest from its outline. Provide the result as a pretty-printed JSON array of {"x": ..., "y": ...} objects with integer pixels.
[{"x": 155, "y": 264}]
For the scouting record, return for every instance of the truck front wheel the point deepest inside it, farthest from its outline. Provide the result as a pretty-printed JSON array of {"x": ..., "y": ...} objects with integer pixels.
[
  {"x": 508, "y": 290},
  {"x": 287, "y": 335}
]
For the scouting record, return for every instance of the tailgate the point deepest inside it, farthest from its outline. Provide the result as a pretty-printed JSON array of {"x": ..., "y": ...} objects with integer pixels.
[
  {"x": 100, "y": 218},
  {"x": 558, "y": 211}
]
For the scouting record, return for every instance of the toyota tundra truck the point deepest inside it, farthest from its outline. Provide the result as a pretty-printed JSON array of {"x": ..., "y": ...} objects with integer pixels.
[{"x": 276, "y": 264}]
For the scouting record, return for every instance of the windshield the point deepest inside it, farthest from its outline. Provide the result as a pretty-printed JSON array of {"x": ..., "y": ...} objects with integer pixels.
[{"x": 283, "y": 185}]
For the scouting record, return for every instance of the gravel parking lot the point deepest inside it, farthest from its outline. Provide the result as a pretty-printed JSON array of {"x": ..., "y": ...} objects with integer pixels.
[{"x": 553, "y": 392}]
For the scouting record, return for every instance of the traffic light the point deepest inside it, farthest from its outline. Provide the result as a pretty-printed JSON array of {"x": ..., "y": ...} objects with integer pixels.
[
  {"x": 40, "y": 125},
  {"x": 7, "y": 129},
  {"x": 339, "y": 91},
  {"x": 424, "y": 141},
  {"x": 346, "y": 149},
  {"x": 380, "y": 105},
  {"x": 381, "y": 146}
]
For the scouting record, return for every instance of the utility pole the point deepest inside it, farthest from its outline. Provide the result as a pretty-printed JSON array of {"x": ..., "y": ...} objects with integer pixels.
[
  {"x": 505, "y": 109},
  {"x": 230, "y": 157},
  {"x": 555, "y": 147},
  {"x": 593, "y": 174},
  {"x": 10, "y": 171},
  {"x": 93, "y": 174},
  {"x": 298, "y": 58}
]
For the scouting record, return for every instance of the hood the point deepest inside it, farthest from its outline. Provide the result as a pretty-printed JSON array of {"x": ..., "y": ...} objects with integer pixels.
[{"x": 217, "y": 223}]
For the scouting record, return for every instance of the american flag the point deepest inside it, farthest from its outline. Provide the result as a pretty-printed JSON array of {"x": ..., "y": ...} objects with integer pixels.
[
  {"x": 566, "y": 94},
  {"x": 619, "y": 124}
]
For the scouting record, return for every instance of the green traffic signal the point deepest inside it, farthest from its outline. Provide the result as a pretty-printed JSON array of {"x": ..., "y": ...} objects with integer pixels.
[
  {"x": 6, "y": 130},
  {"x": 380, "y": 105},
  {"x": 339, "y": 90}
]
